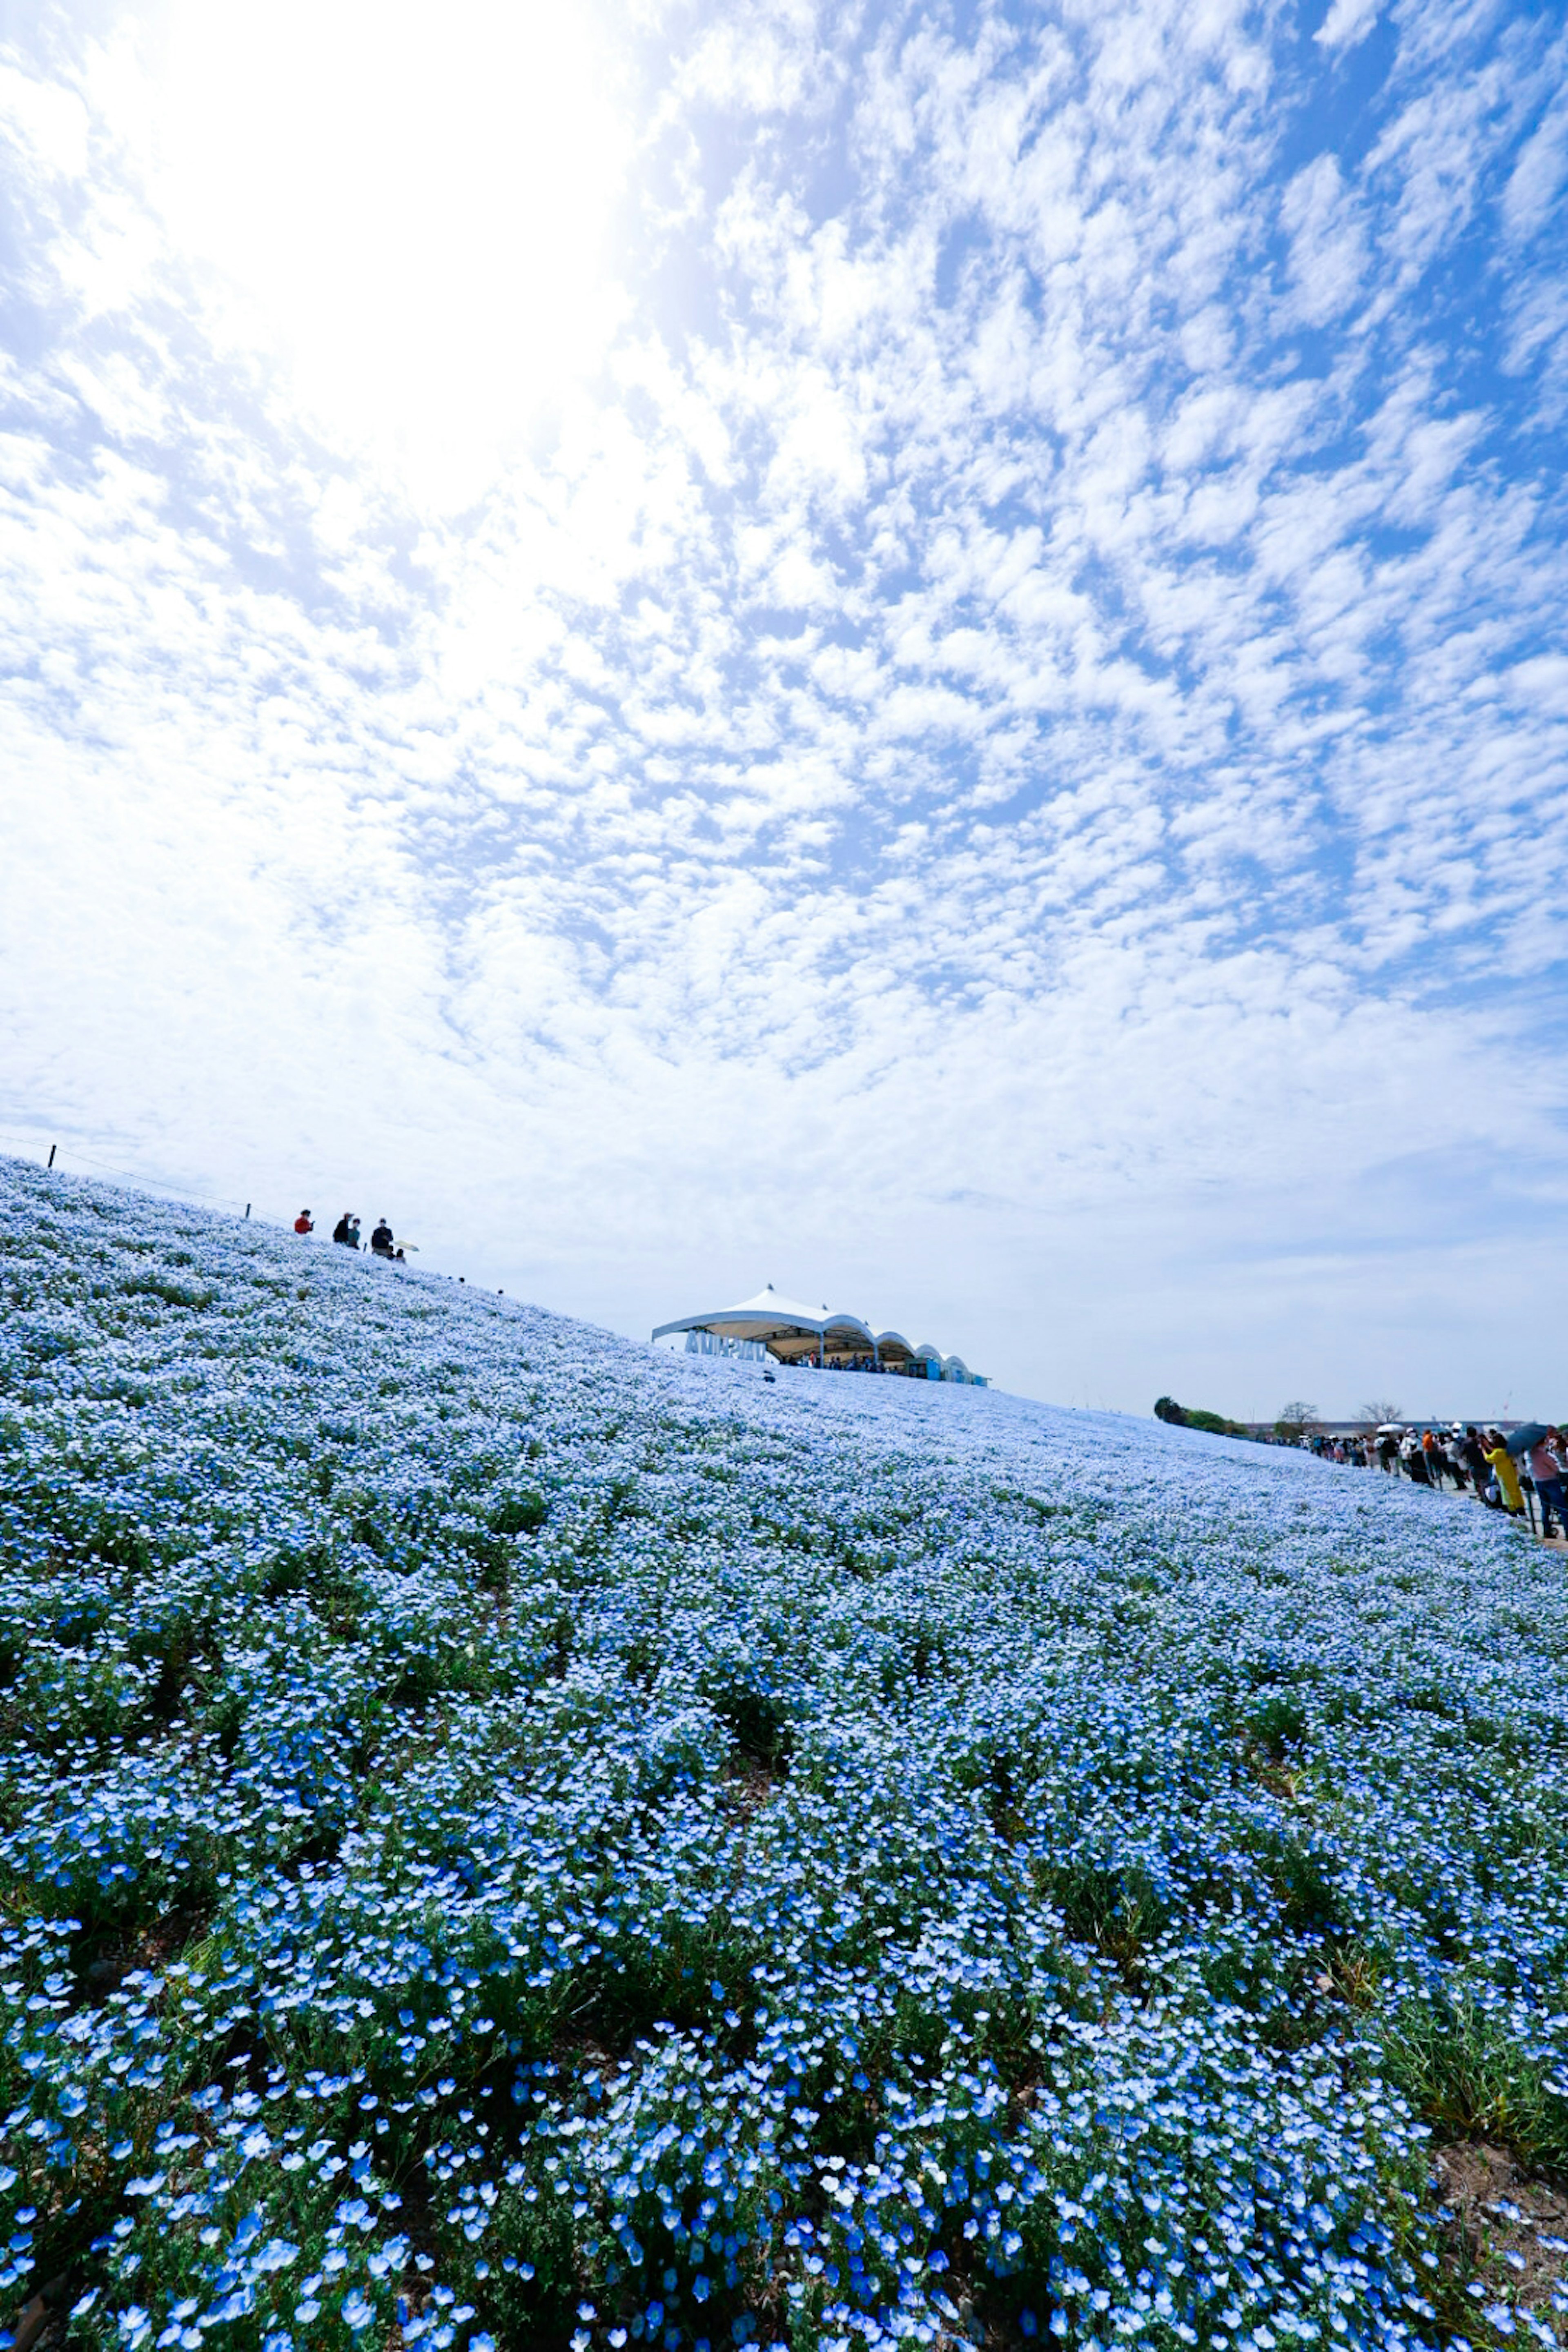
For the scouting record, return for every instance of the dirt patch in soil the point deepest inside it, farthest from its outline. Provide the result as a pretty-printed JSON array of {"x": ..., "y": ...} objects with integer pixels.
[
  {"x": 749, "y": 1785},
  {"x": 1504, "y": 2233}
]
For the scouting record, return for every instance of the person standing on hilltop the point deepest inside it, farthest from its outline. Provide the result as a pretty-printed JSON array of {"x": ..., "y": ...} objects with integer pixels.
[
  {"x": 381, "y": 1240},
  {"x": 303, "y": 1222},
  {"x": 346, "y": 1231}
]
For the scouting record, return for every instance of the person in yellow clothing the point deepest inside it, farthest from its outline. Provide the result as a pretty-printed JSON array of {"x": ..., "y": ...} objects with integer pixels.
[{"x": 1507, "y": 1476}]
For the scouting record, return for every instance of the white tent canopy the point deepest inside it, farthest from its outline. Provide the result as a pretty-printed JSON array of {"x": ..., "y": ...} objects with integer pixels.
[
  {"x": 786, "y": 1327},
  {"x": 793, "y": 1332}
]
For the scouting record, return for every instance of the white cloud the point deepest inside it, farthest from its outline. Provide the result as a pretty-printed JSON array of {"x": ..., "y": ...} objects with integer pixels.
[
  {"x": 991, "y": 687},
  {"x": 1328, "y": 245},
  {"x": 1536, "y": 181},
  {"x": 45, "y": 120},
  {"x": 1347, "y": 23}
]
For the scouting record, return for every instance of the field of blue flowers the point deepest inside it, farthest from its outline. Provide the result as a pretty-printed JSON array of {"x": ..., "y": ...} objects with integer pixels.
[{"x": 509, "y": 1839}]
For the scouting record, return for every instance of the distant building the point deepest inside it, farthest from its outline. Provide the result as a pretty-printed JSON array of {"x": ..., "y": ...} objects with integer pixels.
[{"x": 771, "y": 1325}]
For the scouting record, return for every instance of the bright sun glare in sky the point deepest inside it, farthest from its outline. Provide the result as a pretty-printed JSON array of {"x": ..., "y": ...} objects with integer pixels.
[{"x": 415, "y": 198}]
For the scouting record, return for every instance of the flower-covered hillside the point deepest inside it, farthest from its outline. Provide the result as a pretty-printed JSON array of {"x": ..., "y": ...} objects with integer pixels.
[{"x": 509, "y": 1838}]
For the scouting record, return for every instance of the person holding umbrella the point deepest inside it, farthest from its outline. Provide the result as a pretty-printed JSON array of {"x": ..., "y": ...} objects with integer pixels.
[
  {"x": 1546, "y": 1470},
  {"x": 1521, "y": 1443}
]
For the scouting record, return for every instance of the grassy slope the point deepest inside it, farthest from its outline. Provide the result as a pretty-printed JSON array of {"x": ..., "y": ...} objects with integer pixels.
[{"x": 511, "y": 1837}]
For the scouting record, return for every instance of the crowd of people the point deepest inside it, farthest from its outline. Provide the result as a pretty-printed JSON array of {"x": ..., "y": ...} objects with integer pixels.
[
  {"x": 382, "y": 1243},
  {"x": 860, "y": 1364},
  {"x": 1524, "y": 1473}
]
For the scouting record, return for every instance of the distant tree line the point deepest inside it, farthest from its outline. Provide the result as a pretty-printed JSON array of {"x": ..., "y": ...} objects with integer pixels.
[
  {"x": 1192, "y": 1417},
  {"x": 1295, "y": 1420}
]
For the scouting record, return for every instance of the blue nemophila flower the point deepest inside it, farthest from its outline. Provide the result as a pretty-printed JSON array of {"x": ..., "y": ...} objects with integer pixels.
[{"x": 832, "y": 1866}]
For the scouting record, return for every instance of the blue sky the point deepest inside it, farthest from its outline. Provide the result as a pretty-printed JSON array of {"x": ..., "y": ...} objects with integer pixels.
[{"x": 913, "y": 651}]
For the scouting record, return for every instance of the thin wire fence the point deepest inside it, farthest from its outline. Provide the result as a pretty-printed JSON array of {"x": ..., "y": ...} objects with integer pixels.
[{"x": 67, "y": 1159}]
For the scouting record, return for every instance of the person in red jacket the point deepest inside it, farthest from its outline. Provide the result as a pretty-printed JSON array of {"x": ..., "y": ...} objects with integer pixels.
[{"x": 303, "y": 1223}]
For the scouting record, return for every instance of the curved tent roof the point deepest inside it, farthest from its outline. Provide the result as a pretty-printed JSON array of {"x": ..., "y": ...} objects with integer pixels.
[
  {"x": 784, "y": 1326},
  {"x": 789, "y": 1330}
]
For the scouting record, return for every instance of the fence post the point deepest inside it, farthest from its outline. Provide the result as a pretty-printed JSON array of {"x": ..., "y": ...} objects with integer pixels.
[
  {"x": 53, "y": 1149},
  {"x": 247, "y": 1208}
]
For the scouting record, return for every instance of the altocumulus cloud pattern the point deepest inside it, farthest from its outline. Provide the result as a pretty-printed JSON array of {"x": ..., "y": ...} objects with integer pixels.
[{"x": 1020, "y": 609}]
